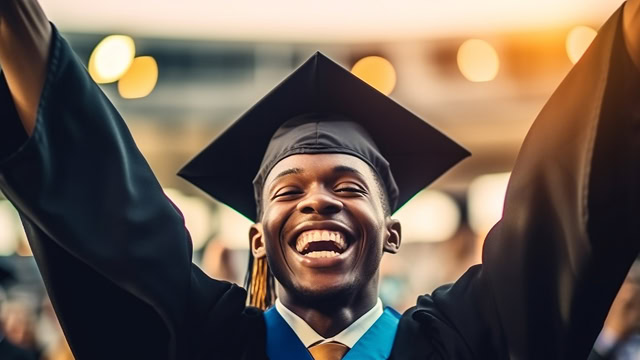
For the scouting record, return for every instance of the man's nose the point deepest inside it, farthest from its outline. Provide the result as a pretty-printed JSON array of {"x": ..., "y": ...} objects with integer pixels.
[{"x": 320, "y": 202}]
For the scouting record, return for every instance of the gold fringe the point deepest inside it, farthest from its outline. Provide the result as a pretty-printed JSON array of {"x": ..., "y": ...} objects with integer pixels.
[{"x": 258, "y": 287}]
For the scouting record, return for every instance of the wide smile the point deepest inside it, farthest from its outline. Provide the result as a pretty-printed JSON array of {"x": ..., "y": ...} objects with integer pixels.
[{"x": 322, "y": 244}]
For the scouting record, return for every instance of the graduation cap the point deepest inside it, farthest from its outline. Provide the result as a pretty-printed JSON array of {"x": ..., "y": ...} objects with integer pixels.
[{"x": 407, "y": 153}]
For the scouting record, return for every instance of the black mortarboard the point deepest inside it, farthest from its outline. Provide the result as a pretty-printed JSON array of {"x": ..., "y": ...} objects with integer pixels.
[{"x": 322, "y": 92}]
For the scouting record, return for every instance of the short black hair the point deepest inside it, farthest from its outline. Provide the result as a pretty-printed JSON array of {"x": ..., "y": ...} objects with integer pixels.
[{"x": 382, "y": 194}]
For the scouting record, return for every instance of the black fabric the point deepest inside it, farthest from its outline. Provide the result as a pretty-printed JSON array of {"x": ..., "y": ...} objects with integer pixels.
[
  {"x": 572, "y": 205},
  {"x": 324, "y": 133},
  {"x": 116, "y": 258},
  {"x": 13, "y": 134}
]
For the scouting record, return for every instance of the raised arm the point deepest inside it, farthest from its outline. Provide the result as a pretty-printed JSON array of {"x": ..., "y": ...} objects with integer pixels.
[
  {"x": 570, "y": 231},
  {"x": 25, "y": 35},
  {"x": 112, "y": 249}
]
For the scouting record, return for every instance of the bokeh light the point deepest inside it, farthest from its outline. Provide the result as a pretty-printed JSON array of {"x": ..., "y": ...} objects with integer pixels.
[
  {"x": 141, "y": 78},
  {"x": 478, "y": 61},
  {"x": 111, "y": 58},
  {"x": 377, "y": 72},
  {"x": 234, "y": 228},
  {"x": 430, "y": 216},
  {"x": 578, "y": 41},
  {"x": 485, "y": 201}
]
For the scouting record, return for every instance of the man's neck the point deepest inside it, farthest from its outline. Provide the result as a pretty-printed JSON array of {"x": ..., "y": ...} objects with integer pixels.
[{"x": 330, "y": 319}]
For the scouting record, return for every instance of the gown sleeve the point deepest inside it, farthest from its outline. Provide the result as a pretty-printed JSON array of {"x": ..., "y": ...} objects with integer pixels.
[
  {"x": 112, "y": 249},
  {"x": 570, "y": 230}
]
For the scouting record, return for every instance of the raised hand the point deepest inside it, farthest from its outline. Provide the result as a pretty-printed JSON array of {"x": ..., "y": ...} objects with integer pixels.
[{"x": 25, "y": 34}]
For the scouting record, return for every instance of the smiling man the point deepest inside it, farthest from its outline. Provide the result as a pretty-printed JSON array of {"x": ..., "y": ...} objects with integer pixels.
[
  {"x": 322, "y": 196},
  {"x": 320, "y": 164}
]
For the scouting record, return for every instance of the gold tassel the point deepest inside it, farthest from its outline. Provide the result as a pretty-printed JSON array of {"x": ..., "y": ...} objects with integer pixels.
[{"x": 258, "y": 287}]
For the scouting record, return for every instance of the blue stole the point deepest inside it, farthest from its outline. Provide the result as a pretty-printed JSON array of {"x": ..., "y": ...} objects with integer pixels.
[{"x": 375, "y": 344}]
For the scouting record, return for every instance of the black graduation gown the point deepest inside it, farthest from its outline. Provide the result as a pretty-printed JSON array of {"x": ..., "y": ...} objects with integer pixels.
[{"x": 116, "y": 257}]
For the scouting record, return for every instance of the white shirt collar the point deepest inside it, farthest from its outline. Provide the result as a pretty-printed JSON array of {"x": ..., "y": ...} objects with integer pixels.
[{"x": 348, "y": 336}]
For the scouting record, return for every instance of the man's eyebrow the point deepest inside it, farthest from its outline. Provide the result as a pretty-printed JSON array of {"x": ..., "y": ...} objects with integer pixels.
[
  {"x": 288, "y": 172},
  {"x": 346, "y": 169}
]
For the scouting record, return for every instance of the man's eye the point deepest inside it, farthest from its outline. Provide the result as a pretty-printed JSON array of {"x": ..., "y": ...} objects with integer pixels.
[
  {"x": 350, "y": 189},
  {"x": 287, "y": 192}
]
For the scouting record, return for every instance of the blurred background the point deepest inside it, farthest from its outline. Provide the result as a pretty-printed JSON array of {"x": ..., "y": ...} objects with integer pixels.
[{"x": 180, "y": 72}]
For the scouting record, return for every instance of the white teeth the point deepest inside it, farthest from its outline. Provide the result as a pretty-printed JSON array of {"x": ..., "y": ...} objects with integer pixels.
[
  {"x": 320, "y": 235},
  {"x": 322, "y": 254}
]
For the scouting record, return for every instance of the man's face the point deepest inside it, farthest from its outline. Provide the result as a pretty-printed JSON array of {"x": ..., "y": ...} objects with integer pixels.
[{"x": 323, "y": 226}]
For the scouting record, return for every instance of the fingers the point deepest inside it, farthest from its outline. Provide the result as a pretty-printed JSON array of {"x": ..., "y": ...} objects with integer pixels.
[{"x": 25, "y": 34}]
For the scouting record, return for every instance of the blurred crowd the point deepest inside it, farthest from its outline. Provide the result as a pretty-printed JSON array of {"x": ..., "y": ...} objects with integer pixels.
[
  {"x": 29, "y": 329},
  {"x": 620, "y": 336}
]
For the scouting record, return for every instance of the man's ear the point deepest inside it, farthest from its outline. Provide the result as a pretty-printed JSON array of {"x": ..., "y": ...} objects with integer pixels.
[
  {"x": 257, "y": 241},
  {"x": 394, "y": 236}
]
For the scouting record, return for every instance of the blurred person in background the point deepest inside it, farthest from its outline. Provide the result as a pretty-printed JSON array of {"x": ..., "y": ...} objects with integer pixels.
[
  {"x": 620, "y": 336},
  {"x": 10, "y": 350},
  {"x": 551, "y": 266},
  {"x": 19, "y": 321},
  {"x": 50, "y": 335}
]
